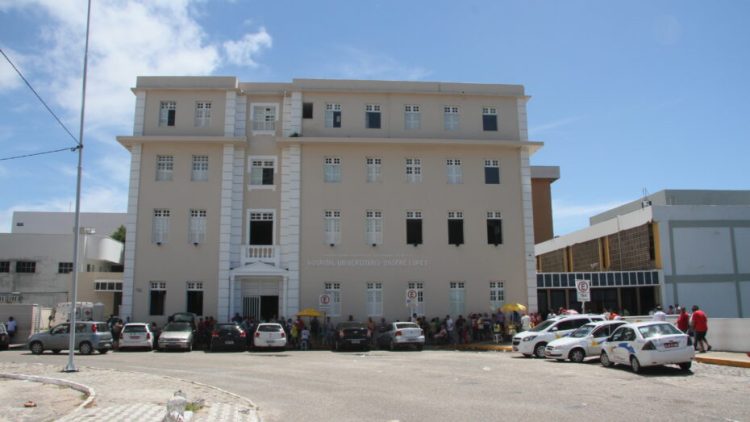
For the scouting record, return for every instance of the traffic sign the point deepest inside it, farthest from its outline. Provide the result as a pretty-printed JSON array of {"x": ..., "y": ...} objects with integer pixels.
[
  {"x": 324, "y": 300},
  {"x": 583, "y": 288},
  {"x": 411, "y": 296}
]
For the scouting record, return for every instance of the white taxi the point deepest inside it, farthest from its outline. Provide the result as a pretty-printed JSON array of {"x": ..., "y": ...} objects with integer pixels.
[
  {"x": 644, "y": 344},
  {"x": 582, "y": 343},
  {"x": 534, "y": 342}
]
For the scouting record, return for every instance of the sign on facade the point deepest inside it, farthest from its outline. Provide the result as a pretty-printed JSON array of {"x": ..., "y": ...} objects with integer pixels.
[
  {"x": 324, "y": 300},
  {"x": 411, "y": 297}
]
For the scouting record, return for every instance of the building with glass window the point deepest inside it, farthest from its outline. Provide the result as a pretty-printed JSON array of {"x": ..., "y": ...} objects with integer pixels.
[{"x": 363, "y": 198}]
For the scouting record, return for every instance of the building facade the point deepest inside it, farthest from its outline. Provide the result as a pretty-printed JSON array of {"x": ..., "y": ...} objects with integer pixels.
[{"x": 265, "y": 198}]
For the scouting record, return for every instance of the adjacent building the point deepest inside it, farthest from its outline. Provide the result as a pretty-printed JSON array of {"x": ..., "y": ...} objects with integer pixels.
[{"x": 265, "y": 198}]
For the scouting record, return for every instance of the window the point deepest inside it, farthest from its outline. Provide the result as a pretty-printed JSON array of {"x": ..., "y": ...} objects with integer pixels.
[
  {"x": 200, "y": 168},
  {"x": 262, "y": 171},
  {"x": 197, "y": 232},
  {"x": 160, "y": 226},
  {"x": 419, "y": 287},
  {"x": 373, "y": 170},
  {"x": 450, "y": 117},
  {"x": 372, "y": 116},
  {"x": 261, "y": 227},
  {"x": 412, "y": 117},
  {"x": 307, "y": 110},
  {"x": 413, "y": 170},
  {"x": 374, "y": 227},
  {"x": 164, "y": 167},
  {"x": 494, "y": 228},
  {"x": 334, "y": 290},
  {"x": 489, "y": 119},
  {"x": 414, "y": 228},
  {"x": 202, "y": 114},
  {"x": 333, "y": 115},
  {"x": 497, "y": 295},
  {"x": 195, "y": 297},
  {"x": 374, "y": 299},
  {"x": 332, "y": 170},
  {"x": 453, "y": 169},
  {"x": 167, "y": 111},
  {"x": 264, "y": 118},
  {"x": 26, "y": 266},
  {"x": 492, "y": 172},
  {"x": 457, "y": 295},
  {"x": 332, "y": 226},
  {"x": 108, "y": 286},
  {"x": 455, "y": 228},
  {"x": 4, "y": 266},
  {"x": 65, "y": 267},
  {"x": 158, "y": 294}
]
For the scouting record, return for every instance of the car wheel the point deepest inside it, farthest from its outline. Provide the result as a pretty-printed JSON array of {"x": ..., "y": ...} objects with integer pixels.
[
  {"x": 604, "y": 358},
  {"x": 103, "y": 351},
  {"x": 539, "y": 350},
  {"x": 577, "y": 355},
  {"x": 635, "y": 364},
  {"x": 85, "y": 348},
  {"x": 56, "y": 351},
  {"x": 526, "y": 355},
  {"x": 36, "y": 348},
  {"x": 392, "y": 346},
  {"x": 685, "y": 366}
]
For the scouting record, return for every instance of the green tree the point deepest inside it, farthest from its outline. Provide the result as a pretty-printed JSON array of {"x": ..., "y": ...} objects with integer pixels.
[{"x": 119, "y": 234}]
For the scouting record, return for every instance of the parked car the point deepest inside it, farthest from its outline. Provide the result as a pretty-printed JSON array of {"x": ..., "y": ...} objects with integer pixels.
[
  {"x": 188, "y": 317},
  {"x": 89, "y": 336},
  {"x": 4, "y": 337},
  {"x": 534, "y": 341},
  {"x": 351, "y": 334},
  {"x": 652, "y": 343},
  {"x": 584, "y": 342},
  {"x": 176, "y": 335},
  {"x": 136, "y": 335},
  {"x": 228, "y": 336},
  {"x": 269, "y": 335},
  {"x": 401, "y": 334}
]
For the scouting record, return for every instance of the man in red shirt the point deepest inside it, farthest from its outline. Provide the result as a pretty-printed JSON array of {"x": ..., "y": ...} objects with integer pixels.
[
  {"x": 683, "y": 320},
  {"x": 699, "y": 321}
]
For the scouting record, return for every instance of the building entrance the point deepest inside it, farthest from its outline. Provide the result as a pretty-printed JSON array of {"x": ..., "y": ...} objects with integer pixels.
[{"x": 261, "y": 308}]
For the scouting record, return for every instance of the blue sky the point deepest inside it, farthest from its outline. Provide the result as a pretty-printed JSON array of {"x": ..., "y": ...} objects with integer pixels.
[{"x": 626, "y": 96}]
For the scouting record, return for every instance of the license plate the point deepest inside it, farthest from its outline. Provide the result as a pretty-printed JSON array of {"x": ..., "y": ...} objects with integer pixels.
[
  {"x": 411, "y": 338},
  {"x": 355, "y": 341},
  {"x": 229, "y": 342},
  {"x": 671, "y": 345},
  {"x": 135, "y": 337}
]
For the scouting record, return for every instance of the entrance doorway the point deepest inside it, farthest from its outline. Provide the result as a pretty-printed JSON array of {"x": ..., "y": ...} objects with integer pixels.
[{"x": 261, "y": 308}]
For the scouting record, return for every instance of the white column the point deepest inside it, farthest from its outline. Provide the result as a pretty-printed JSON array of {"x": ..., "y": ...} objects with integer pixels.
[
  {"x": 225, "y": 220},
  {"x": 140, "y": 113},
  {"x": 229, "y": 113},
  {"x": 237, "y": 201},
  {"x": 528, "y": 230},
  {"x": 523, "y": 131},
  {"x": 292, "y": 115},
  {"x": 290, "y": 214},
  {"x": 131, "y": 223}
]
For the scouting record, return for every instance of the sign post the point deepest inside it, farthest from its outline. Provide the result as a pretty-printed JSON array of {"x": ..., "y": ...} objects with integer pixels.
[
  {"x": 583, "y": 288},
  {"x": 411, "y": 301}
]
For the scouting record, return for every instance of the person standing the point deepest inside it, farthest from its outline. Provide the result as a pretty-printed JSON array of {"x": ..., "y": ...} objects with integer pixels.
[
  {"x": 525, "y": 322},
  {"x": 683, "y": 321},
  {"x": 699, "y": 322},
  {"x": 12, "y": 327},
  {"x": 659, "y": 315}
]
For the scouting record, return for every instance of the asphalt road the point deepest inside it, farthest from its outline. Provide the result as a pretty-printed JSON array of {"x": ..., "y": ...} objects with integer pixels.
[{"x": 442, "y": 385}]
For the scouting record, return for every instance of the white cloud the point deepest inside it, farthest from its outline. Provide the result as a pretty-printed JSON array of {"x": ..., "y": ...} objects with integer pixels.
[
  {"x": 243, "y": 51},
  {"x": 569, "y": 217},
  {"x": 359, "y": 64},
  {"x": 9, "y": 79}
]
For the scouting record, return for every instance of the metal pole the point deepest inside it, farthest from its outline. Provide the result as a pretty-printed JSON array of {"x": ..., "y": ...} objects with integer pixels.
[{"x": 72, "y": 330}]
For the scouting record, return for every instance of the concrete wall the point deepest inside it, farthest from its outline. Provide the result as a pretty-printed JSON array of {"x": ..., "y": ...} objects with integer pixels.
[
  {"x": 104, "y": 223},
  {"x": 30, "y": 318}
]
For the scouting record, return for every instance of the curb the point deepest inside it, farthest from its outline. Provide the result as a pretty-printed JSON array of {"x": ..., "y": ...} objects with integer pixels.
[
  {"x": 90, "y": 392},
  {"x": 722, "y": 362}
]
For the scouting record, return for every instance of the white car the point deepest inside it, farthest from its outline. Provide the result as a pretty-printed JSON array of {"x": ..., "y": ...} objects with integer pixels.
[
  {"x": 136, "y": 335},
  {"x": 644, "y": 344},
  {"x": 584, "y": 342},
  {"x": 176, "y": 335},
  {"x": 270, "y": 335},
  {"x": 534, "y": 342}
]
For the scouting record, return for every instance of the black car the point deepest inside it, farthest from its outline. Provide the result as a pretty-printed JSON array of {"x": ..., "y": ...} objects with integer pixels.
[
  {"x": 228, "y": 336},
  {"x": 351, "y": 334},
  {"x": 4, "y": 337}
]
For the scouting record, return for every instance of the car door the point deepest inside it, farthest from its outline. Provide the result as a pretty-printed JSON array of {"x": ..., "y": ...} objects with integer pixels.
[
  {"x": 625, "y": 346},
  {"x": 58, "y": 337},
  {"x": 611, "y": 344}
]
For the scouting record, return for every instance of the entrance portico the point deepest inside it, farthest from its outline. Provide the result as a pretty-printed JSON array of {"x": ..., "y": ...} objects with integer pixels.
[{"x": 259, "y": 290}]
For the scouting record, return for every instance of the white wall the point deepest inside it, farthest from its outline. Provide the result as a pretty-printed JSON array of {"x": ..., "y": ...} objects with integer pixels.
[
  {"x": 703, "y": 250},
  {"x": 719, "y": 299},
  {"x": 742, "y": 245},
  {"x": 105, "y": 223}
]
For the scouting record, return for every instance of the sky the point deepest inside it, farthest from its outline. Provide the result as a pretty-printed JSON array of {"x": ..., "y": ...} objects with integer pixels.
[{"x": 628, "y": 97}]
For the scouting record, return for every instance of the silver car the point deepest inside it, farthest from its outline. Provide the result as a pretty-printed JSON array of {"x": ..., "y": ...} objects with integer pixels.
[
  {"x": 90, "y": 336},
  {"x": 176, "y": 335},
  {"x": 401, "y": 334}
]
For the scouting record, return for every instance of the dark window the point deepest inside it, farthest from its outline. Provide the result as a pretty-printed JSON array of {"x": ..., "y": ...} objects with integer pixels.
[
  {"x": 489, "y": 122},
  {"x": 492, "y": 175},
  {"x": 4, "y": 266},
  {"x": 455, "y": 232},
  {"x": 195, "y": 301},
  {"x": 570, "y": 324},
  {"x": 25, "y": 267},
  {"x": 267, "y": 176},
  {"x": 261, "y": 232},
  {"x": 307, "y": 110},
  {"x": 373, "y": 120},
  {"x": 65, "y": 267},
  {"x": 170, "y": 117},
  {"x": 494, "y": 231},
  {"x": 336, "y": 118},
  {"x": 413, "y": 231},
  {"x": 156, "y": 305}
]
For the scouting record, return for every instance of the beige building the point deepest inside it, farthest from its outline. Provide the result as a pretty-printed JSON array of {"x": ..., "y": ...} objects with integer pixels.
[{"x": 267, "y": 198}]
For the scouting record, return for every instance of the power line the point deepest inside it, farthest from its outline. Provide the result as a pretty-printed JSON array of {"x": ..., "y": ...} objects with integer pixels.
[
  {"x": 39, "y": 153},
  {"x": 39, "y": 97}
]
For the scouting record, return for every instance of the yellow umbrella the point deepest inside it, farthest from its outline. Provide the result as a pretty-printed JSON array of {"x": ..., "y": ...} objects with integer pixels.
[
  {"x": 510, "y": 307},
  {"x": 309, "y": 312}
]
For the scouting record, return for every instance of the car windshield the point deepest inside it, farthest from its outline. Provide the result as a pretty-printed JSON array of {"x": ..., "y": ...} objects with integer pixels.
[
  {"x": 582, "y": 331},
  {"x": 134, "y": 329},
  {"x": 178, "y": 326},
  {"x": 401, "y": 325},
  {"x": 269, "y": 328},
  {"x": 347, "y": 325},
  {"x": 543, "y": 326},
  {"x": 226, "y": 327},
  {"x": 656, "y": 330}
]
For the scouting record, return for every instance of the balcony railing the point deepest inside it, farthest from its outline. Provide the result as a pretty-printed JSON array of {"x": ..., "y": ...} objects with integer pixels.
[{"x": 268, "y": 254}]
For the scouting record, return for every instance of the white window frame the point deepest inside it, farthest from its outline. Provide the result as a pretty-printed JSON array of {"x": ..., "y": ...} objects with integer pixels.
[
  {"x": 412, "y": 117},
  {"x": 451, "y": 117},
  {"x": 158, "y": 285},
  {"x": 199, "y": 168},
  {"x": 197, "y": 226},
  {"x": 164, "y": 108},
  {"x": 373, "y": 108},
  {"x": 374, "y": 299},
  {"x": 374, "y": 229},
  {"x": 374, "y": 169},
  {"x": 457, "y": 298},
  {"x": 490, "y": 111},
  {"x": 419, "y": 287},
  {"x": 330, "y": 108},
  {"x": 413, "y": 170},
  {"x": 202, "y": 114},
  {"x": 334, "y": 290},
  {"x": 164, "y": 168},
  {"x": 160, "y": 226},
  {"x": 497, "y": 295},
  {"x": 107, "y": 286},
  {"x": 454, "y": 171},
  {"x": 332, "y": 169},
  {"x": 332, "y": 226},
  {"x": 261, "y": 214},
  {"x": 266, "y": 161},
  {"x": 266, "y": 126}
]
